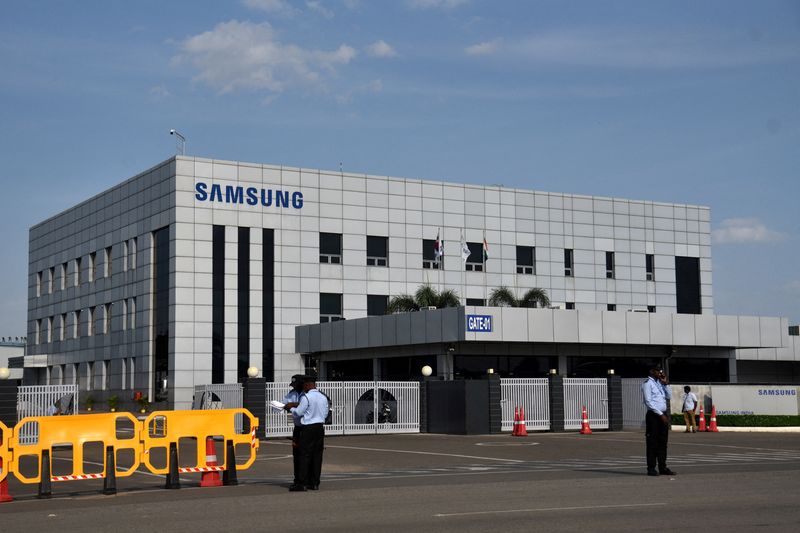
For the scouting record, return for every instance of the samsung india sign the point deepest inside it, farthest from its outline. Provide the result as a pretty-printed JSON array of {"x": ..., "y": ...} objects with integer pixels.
[{"x": 230, "y": 194}]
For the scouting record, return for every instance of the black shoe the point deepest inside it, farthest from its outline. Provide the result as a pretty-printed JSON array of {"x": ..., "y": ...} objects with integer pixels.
[
  {"x": 296, "y": 488},
  {"x": 652, "y": 472},
  {"x": 667, "y": 472},
  {"x": 312, "y": 487}
]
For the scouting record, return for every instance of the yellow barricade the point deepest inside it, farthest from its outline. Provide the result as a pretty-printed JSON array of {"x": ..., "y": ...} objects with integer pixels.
[
  {"x": 76, "y": 431},
  {"x": 164, "y": 428},
  {"x": 5, "y": 453}
]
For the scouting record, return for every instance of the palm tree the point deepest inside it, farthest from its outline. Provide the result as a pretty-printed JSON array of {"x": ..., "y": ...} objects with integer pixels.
[
  {"x": 504, "y": 297},
  {"x": 426, "y": 296}
]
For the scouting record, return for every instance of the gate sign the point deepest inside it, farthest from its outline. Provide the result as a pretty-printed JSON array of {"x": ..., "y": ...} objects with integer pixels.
[{"x": 479, "y": 323}]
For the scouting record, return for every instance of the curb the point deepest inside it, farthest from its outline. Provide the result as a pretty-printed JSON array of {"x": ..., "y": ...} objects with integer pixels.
[{"x": 735, "y": 429}]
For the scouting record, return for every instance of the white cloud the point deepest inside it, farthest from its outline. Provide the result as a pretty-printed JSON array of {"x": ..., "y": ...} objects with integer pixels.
[
  {"x": 247, "y": 56},
  {"x": 482, "y": 49},
  {"x": 436, "y": 4},
  {"x": 317, "y": 7},
  {"x": 744, "y": 230},
  {"x": 372, "y": 87},
  {"x": 381, "y": 49},
  {"x": 270, "y": 6},
  {"x": 159, "y": 92}
]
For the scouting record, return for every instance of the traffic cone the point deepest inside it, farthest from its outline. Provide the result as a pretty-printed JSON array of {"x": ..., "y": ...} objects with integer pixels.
[
  {"x": 4, "y": 495},
  {"x": 713, "y": 426},
  {"x": 702, "y": 425},
  {"x": 523, "y": 431},
  {"x": 515, "y": 431},
  {"x": 585, "y": 429},
  {"x": 210, "y": 479}
]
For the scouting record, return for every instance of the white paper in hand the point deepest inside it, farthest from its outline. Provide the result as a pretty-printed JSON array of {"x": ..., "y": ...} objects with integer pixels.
[{"x": 275, "y": 404}]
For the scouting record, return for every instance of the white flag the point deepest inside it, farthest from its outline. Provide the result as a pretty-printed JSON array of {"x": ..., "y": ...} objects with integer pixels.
[{"x": 464, "y": 248}]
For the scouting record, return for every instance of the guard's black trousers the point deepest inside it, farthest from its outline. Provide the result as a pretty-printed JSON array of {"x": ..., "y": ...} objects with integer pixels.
[
  {"x": 296, "y": 454},
  {"x": 312, "y": 443},
  {"x": 656, "y": 435}
]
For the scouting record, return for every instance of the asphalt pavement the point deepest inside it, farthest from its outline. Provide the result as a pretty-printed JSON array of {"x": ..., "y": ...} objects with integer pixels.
[{"x": 442, "y": 483}]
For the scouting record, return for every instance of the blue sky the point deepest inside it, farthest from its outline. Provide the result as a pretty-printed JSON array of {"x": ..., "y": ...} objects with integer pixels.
[{"x": 688, "y": 102}]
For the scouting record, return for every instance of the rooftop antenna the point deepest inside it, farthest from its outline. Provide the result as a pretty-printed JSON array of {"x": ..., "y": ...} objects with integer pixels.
[
  {"x": 340, "y": 167},
  {"x": 180, "y": 142}
]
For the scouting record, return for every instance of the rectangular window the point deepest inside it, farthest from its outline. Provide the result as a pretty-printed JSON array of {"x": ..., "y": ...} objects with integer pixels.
[
  {"x": 475, "y": 260},
  {"x": 124, "y": 314},
  {"x": 64, "y": 267},
  {"x": 377, "y": 251},
  {"x": 124, "y": 256},
  {"x": 50, "y": 322},
  {"x": 132, "y": 252},
  {"x": 568, "y": 264},
  {"x": 38, "y": 284},
  {"x": 687, "y": 285},
  {"x": 107, "y": 261},
  {"x": 75, "y": 367},
  {"x": 62, "y": 334},
  {"x": 330, "y": 248},
  {"x": 429, "y": 255},
  {"x": 526, "y": 260},
  {"x": 611, "y": 307},
  {"x": 76, "y": 324},
  {"x": 649, "y": 266},
  {"x": 105, "y": 377},
  {"x": 92, "y": 266},
  {"x": 268, "y": 304},
  {"x": 132, "y": 312},
  {"x": 123, "y": 377},
  {"x": 476, "y": 301},
  {"x": 78, "y": 272},
  {"x": 330, "y": 307},
  {"x": 570, "y": 305},
  {"x": 160, "y": 308},
  {"x": 651, "y": 308},
  {"x": 217, "y": 304},
  {"x": 90, "y": 375},
  {"x": 610, "y": 265},
  {"x": 90, "y": 316},
  {"x": 132, "y": 372},
  {"x": 376, "y": 304},
  {"x": 243, "y": 305},
  {"x": 51, "y": 282}
]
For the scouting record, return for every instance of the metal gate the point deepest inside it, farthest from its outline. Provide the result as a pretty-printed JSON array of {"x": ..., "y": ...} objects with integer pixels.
[
  {"x": 220, "y": 396},
  {"x": 633, "y": 408},
  {"x": 531, "y": 394},
  {"x": 358, "y": 407},
  {"x": 44, "y": 400},
  {"x": 589, "y": 392}
]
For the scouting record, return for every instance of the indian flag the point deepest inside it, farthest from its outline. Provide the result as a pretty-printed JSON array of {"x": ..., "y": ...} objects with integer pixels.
[{"x": 485, "y": 250}]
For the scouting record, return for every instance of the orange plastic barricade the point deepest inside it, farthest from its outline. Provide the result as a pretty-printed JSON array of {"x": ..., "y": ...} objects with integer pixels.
[
  {"x": 165, "y": 429},
  {"x": 5, "y": 453},
  {"x": 76, "y": 431}
]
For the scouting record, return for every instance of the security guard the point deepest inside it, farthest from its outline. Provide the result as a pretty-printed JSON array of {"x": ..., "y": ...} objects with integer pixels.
[
  {"x": 292, "y": 399},
  {"x": 312, "y": 410}
]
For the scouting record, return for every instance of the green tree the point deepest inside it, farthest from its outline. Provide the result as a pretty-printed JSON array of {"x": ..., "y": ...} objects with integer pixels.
[
  {"x": 504, "y": 297},
  {"x": 426, "y": 296}
]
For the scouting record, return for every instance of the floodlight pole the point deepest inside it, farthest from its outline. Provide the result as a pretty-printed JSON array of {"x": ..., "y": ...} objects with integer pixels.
[{"x": 180, "y": 144}]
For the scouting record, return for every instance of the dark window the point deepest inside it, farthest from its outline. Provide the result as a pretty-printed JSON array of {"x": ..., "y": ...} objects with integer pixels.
[
  {"x": 92, "y": 266},
  {"x": 108, "y": 262},
  {"x": 161, "y": 301},
  {"x": 475, "y": 259},
  {"x": 611, "y": 307},
  {"x": 268, "y": 304},
  {"x": 570, "y": 305},
  {"x": 330, "y": 248},
  {"x": 243, "y": 304},
  {"x": 649, "y": 261},
  {"x": 526, "y": 260},
  {"x": 330, "y": 307},
  {"x": 218, "y": 304},
  {"x": 651, "y": 308},
  {"x": 610, "y": 265},
  {"x": 429, "y": 255},
  {"x": 377, "y": 251},
  {"x": 568, "y": 262},
  {"x": 376, "y": 304},
  {"x": 476, "y": 301},
  {"x": 687, "y": 285}
]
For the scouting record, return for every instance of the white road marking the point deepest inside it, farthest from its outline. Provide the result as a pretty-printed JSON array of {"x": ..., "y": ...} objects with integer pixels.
[
  {"x": 509, "y": 444},
  {"x": 427, "y": 453},
  {"x": 547, "y": 509}
]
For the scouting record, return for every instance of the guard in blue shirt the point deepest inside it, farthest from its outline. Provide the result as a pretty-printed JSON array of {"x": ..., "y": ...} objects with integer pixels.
[
  {"x": 292, "y": 399},
  {"x": 655, "y": 393},
  {"x": 312, "y": 409}
]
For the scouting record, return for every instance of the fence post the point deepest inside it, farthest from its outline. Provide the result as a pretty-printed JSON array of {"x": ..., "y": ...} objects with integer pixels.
[
  {"x": 495, "y": 407},
  {"x": 8, "y": 402},
  {"x": 255, "y": 400},
  {"x": 556, "y": 388},
  {"x": 615, "y": 415}
]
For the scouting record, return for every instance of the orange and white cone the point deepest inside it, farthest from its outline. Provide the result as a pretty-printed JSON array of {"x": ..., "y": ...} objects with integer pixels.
[
  {"x": 522, "y": 431},
  {"x": 515, "y": 430},
  {"x": 210, "y": 479},
  {"x": 4, "y": 495},
  {"x": 585, "y": 429},
  {"x": 702, "y": 425},
  {"x": 713, "y": 426}
]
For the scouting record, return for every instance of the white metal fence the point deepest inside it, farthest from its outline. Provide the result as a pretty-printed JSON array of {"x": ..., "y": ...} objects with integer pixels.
[
  {"x": 633, "y": 409},
  {"x": 590, "y": 392},
  {"x": 220, "y": 396},
  {"x": 531, "y": 394},
  {"x": 358, "y": 407},
  {"x": 44, "y": 400}
]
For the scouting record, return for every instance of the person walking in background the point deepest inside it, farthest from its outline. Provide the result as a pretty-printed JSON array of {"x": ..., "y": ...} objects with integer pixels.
[
  {"x": 292, "y": 399},
  {"x": 655, "y": 393},
  {"x": 689, "y": 406},
  {"x": 312, "y": 410}
]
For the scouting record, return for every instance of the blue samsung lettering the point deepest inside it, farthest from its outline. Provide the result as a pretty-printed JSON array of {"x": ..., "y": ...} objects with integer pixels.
[
  {"x": 216, "y": 193},
  {"x": 201, "y": 194},
  {"x": 281, "y": 198},
  {"x": 252, "y": 196},
  {"x": 297, "y": 200},
  {"x": 233, "y": 195}
]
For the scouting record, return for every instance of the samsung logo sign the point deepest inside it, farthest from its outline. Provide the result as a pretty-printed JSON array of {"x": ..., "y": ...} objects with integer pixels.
[
  {"x": 777, "y": 392},
  {"x": 230, "y": 194},
  {"x": 479, "y": 323}
]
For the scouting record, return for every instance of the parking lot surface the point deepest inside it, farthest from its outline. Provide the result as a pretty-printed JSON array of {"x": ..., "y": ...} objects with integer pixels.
[{"x": 424, "y": 482}]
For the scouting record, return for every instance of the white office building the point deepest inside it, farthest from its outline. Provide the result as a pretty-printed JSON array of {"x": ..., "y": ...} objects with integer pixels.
[{"x": 196, "y": 269}]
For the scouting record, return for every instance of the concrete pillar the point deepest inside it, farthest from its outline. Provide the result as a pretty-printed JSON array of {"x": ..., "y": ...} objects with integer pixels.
[
  {"x": 556, "y": 387},
  {"x": 444, "y": 365},
  {"x": 495, "y": 407},
  {"x": 614, "y": 403},
  {"x": 255, "y": 400},
  {"x": 8, "y": 402}
]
